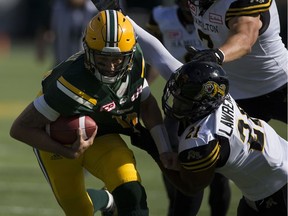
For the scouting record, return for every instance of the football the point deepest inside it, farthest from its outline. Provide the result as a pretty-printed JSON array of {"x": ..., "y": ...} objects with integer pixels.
[{"x": 65, "y": 129}]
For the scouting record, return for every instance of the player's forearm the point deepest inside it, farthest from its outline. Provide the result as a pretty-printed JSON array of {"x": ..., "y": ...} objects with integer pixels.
[
  {"x": 244, "y": 32},
  {"x": 29, "y": 128},
  {"x": 150, "y": 113},
  {"x": 153, "y": 121},
  {"x": 235, "y": 48},
  {"x": 36, "y": 138},
  {"x": 175, "y": 178}
]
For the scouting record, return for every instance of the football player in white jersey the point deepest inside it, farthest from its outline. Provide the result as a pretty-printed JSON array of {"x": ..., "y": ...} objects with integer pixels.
[
  {"x": 173, "y": 26},
  {"x": 244, "y": 37},
  {"x": 217, "y": 136},
  {"x": 252, "y": 50}
]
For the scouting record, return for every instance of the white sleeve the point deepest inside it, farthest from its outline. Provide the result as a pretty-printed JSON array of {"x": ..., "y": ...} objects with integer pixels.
[
  {"x": 155, "y": 53},
  {"x": 145, "y": 91},
  {"x": 42, "y": 107}
]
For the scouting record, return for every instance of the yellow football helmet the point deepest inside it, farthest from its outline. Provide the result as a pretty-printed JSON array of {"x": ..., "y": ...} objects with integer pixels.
[{"x": 109, "y": 43}]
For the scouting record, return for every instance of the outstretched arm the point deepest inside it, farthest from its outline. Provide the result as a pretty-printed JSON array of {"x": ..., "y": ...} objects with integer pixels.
[
  {"x": 155, "y": 53},
  {"x": 153, "y": 121}
]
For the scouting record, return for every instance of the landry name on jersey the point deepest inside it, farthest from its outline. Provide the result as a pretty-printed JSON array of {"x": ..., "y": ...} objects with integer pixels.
[{"x": 244, "y": 149}]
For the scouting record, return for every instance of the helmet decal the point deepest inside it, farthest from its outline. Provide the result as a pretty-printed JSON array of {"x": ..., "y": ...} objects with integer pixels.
[
  {"x": 111, "y": 29},
  {"x": 197, "y": 89},
  {"x": 212, "y": 88}
]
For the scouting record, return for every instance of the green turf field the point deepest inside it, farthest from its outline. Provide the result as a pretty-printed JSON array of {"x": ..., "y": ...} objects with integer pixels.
[{"x": 23, "y": 189}]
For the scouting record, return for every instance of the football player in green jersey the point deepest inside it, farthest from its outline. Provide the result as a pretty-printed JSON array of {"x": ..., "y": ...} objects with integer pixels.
[{"x": 105, "y": 81}]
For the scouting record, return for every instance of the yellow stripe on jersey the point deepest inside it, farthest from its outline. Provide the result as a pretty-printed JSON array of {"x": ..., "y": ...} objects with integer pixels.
[
  {"x": 75, "y": 93},
  {"x": 143, "y": 68},
  {"x": 47, "y": 74},
  {"x": 39, "y": 93},
  {"x": 205, "y": 163},
  {"x": 242, "y": 11}
]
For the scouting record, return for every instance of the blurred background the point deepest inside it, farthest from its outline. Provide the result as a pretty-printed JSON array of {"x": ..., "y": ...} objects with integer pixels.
[
  {"x": 27, "y": 19},
  {"x": 29, "y": 46}
]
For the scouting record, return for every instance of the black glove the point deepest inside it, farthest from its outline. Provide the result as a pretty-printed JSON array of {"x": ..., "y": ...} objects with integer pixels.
[
  {"x": 141, "y": 138},
  {"x": 211, "y": 55},
  {"x": 106, "y": 4}
]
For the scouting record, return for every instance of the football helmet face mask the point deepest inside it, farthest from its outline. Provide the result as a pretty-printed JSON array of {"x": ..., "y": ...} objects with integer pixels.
[
  {"x": 194, "y": 91},
  {"x": 109, "y": 43}
]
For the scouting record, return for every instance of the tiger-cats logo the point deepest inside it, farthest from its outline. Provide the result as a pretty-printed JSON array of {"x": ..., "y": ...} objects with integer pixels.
[{"x": 212, "y": 89}]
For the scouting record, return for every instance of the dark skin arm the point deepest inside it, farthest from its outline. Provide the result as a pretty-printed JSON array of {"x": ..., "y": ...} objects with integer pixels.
[
  {"x": 150, "y": 112},
  {"x": 186, "y": 181},
  {"x": 29, "y": 128},
  {"x": 152, "y": 116}
]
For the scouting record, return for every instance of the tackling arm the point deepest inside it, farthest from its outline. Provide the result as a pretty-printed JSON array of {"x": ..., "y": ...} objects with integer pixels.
[
  {"x": 152, "y": 119},
  {"x": 181, "y": 178}
]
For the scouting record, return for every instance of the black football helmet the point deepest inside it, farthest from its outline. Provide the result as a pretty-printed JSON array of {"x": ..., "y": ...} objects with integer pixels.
[{"x": 194, "y": 91}]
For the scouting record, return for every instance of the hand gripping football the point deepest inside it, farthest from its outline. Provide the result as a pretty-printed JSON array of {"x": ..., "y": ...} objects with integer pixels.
[{"x": 65, "y": 129}]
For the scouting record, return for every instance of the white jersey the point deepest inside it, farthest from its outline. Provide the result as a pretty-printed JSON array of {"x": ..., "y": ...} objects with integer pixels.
[
  {"x": 265, "y": 68},
  {"x": 252, "y": 154},
  {"x": 175, "y": 35}
]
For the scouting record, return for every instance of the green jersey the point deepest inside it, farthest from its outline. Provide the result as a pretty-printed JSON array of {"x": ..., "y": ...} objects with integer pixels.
[{"x": 71, "y": 89}]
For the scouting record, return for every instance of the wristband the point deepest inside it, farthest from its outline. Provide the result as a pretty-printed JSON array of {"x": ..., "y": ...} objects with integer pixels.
[
  {"x": 220, "y": 56},
  {"x": 161, "y": 138}
]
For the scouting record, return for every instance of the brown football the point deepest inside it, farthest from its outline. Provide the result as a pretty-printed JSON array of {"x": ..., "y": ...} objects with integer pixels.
[{"x": 64, "y": 129}]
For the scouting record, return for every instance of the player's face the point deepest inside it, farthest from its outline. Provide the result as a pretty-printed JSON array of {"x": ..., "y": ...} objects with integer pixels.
[
  {"x": 109, "y": 65},
  {"x": 177, "y": 106}
]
